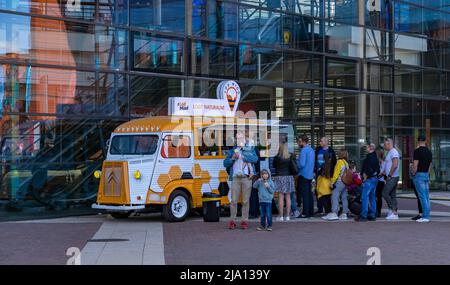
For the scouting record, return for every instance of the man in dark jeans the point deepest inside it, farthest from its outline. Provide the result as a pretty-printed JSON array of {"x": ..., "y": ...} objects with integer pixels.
[
  {"x": 421, "y": 178},
  {"x": 305, "y": 163}
]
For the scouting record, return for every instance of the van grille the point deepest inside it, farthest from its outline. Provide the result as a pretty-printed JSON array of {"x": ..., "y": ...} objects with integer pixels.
[{"x": 113, "y": 181}]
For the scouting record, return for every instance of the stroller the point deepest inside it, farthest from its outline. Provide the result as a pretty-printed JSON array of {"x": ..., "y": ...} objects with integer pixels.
[{"x": 354, "y": 201}]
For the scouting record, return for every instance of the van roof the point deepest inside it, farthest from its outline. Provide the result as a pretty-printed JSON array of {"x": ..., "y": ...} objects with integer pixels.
[{"x": 181, "y": 123}]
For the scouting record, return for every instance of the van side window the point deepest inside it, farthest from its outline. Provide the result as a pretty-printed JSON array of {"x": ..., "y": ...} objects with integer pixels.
[{"x": 175, "y": 146}]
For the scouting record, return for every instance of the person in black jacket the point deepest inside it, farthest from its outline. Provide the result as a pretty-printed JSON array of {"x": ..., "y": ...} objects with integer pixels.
[
  {"x": 321, "y": 150},
  {"x": 369, "y": 172},
  {"x": 285, "y": 170}
]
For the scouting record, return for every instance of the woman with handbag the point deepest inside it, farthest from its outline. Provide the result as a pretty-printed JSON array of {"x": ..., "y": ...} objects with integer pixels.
[
  {"x": 285, "y": 169},
  {"x": 342, "y": 177}
]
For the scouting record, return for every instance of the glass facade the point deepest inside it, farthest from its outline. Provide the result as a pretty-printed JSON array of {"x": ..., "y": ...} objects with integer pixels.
[{"x": 70, "y": 71}]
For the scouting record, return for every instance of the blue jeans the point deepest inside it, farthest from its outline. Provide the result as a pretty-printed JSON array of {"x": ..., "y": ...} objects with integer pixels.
[
  {"x": 368, "y": 194},
  {"x": 422, "y": 182},
  {"x": 266, "y": 212}
]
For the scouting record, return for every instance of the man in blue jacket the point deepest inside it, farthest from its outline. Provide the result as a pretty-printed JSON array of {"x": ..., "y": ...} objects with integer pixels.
[
  {"x": 305, "y": 163},
  {"x": 240, "y": 163}
]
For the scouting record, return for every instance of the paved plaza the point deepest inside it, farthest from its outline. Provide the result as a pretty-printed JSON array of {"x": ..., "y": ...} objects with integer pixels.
[{"x": 148, "y": 239}]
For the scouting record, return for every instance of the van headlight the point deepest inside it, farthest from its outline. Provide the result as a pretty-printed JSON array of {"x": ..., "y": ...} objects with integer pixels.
[
  {"x": 137, "y": 174},
  {"x": 97, "y": 174}
]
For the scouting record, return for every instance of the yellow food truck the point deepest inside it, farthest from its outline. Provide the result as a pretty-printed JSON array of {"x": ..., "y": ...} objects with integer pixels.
[{"x": 165, "y": 162}]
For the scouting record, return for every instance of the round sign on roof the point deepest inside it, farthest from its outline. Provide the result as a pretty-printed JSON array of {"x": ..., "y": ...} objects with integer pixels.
[{"x": 230, "y": 91}]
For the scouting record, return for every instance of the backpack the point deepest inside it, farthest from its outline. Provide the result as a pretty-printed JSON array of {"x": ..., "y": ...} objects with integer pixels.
[{"x": 347, "y": 176}]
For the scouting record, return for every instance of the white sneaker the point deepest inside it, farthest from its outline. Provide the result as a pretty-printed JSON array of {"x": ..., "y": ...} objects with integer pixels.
[
  {"x": 279, "y": 219},
  {"x": 343, "y": 217},
  {"x": 422, "y": 220},
  {"x": 389, "y": 213},
  {"x": 392, "y": 217},
  {"x": 332, "y": 217},
  {"x": 287, "y": 219},
  {"x": 326, "y": 216}
]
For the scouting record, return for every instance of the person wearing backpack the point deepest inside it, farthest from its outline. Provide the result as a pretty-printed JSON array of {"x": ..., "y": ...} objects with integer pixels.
[{"x": 342, "y": 177}]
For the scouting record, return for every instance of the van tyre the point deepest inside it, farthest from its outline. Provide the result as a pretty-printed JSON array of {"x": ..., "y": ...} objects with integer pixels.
[
  {"x": 120, "y": 215},
  {"x": 178, "y": 207}
]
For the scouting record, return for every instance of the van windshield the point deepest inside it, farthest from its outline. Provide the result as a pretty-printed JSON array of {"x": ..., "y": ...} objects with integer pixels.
[{"x": 134, "y": 144}]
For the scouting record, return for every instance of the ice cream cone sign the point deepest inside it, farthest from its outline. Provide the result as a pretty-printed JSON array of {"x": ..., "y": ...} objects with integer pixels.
[{"x": 231, "y": 92}]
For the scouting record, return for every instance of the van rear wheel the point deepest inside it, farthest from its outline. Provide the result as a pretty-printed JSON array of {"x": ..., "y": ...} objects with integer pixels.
[
  {"x": 178, "y": 207},
  {"x": 120, "y": 215}
]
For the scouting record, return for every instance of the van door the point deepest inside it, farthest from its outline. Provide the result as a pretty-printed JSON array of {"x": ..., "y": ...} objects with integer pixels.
[{"x": 174, "y": 162}]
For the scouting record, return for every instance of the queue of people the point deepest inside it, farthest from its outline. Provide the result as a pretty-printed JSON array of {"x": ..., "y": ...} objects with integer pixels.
[{"x": 335, "y": 178}]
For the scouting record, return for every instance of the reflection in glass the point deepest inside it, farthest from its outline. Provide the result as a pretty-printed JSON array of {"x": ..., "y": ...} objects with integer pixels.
[
  {"x": 155, "y": 53},
  {"x": 213, "y": 59},
  {"x": 160, "y": 15}
]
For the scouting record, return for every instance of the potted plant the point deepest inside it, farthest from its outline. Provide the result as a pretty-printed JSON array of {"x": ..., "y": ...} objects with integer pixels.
[{"x": 213, "y": 150}]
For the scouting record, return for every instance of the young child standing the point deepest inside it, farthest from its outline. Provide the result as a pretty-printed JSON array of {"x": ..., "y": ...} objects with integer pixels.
[
  {"x": 266, "y": 188},
  {"x": 324, "y": 184}
]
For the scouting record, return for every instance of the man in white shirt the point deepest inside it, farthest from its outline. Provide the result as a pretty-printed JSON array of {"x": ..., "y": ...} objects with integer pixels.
[{"x": 391, "y": 173}]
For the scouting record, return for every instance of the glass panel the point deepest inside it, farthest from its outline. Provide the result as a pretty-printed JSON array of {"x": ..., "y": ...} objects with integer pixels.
[
  {"x": 260, "y": 63},
  {"x": 214, "y": 19},
  {"x": 61, "y": 91},
  {"x": 111, "y": 47},
  {"x": 158, "y": 54},
  {"x": 342, "y": 11},
  {"x": 408, "y": 49},
  {"x": 259, "y": 26},
  {"x": 134, "y": 144},
  {"x": 407, "y": 112},
  {"x": 214, "y": 59},
  {"x": 298, "y": 32},
  {"x": 301, "y": 68},
  {"x": 113, "y": 11},
  {"x": 149, "y": 95},
  {"x": 379, "y": 77},
  {"x": 343, "y": 40},
  {"x": 408, "y": 80},
  {"x": 378, "y": 44},
  {"x": 343, "y": 74},
  {"x": 176, "y": 147},
  {"x": 431, "y": 82},
  {"x": 167, "y": 15}
]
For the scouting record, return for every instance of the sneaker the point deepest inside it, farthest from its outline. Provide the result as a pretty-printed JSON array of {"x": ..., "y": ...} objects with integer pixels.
[
  {"x": 269, "y": 229},
  {"x": 422, "y": 220},
  {"x": 287, "y": 219},
  {"x": 232, "y": 225},
  {"x": 331, "y": 217},
  {"x": 343, "y": 217},
  {"x": 416, "y": 218},
  {"x": 260, "y": 228},
  {"x": 280, "y": 219},
  {"x": 392, "y": 217},
  {"x": 389, "y": 213},
  {"x": 244, "y": 225}
]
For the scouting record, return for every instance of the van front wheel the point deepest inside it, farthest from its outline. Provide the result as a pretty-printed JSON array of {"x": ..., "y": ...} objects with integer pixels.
[{"x": 178, "y": 207}]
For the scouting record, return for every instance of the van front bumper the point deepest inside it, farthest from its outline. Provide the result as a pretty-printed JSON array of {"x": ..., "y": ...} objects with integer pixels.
[{"x": 117, "y": 208}]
